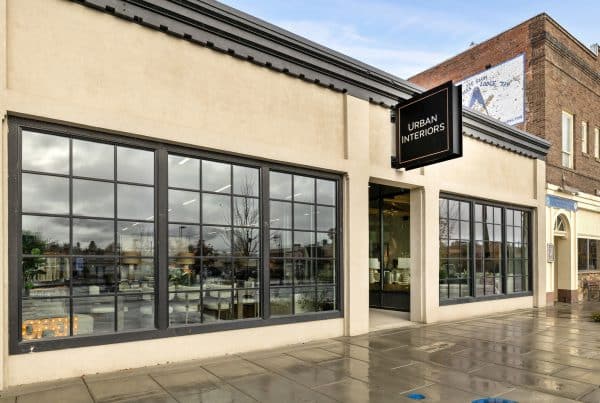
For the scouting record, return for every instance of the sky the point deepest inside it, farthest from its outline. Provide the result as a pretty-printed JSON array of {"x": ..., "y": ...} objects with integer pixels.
[{"x": 406, "y": 37}]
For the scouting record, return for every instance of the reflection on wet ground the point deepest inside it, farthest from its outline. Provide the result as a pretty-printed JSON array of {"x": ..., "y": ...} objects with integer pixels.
[{"x": 537, "y": 355}]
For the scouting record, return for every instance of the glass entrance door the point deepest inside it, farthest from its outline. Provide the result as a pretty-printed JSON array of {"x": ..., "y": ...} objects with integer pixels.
[{"x": 389, "y": 247}]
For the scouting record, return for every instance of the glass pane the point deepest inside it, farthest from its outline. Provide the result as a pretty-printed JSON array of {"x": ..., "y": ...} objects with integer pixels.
[
  {"x": 479, "y": 231},
  {"x": 184, "y": 240},
  {"x": 45, "y": 277},
  {"x": 304, "y": 272},
  {"x": 280, "y": 272},
  {"x": 217, "y": 305},
  {"x": 135, "y": 165},
  {"x": 246, "y": 273},
  {"x": 245, "y": 181},
  {"x": 326, "y": 299},
  {"x": 216, "y": 209},
  {"x": 45, "y": 235},
  {"x": 96, "y": 315},
  {"x": 245, "y": 212},
  {"x": 325, "y": 192},
  {"x": 281, "y": 301},
  {"x": 325, "y": 246},
  {"x": 478, "y": 212},
  {"x": 136, "y": 276},
  {"x": 94, "y": 199},
  {"x": 216, "y": 177},
  {"x": 325, "y": 271},
  {"x": 94, "y": 160},
  {"x": 280, "y": 185},
  {"x": 497, "y": 233},
  {"x": 216, "y": 241},
  {"x": 135, "y": 312},
  {"x": 281, "y": 214},
  {"x": 444, "y": 229},
  {"x": 135, "y": 238},
  {"x": 509, "y": 217},
  {"x": 93, "y": 276},
  {"x": 184, "y": 308},
  {"x": 246, "y": 242},
  {"x": 184, "y": 206},
  {"x": 93, "y": 237},
  {"x": 325, "y": 218},
  {"x": 453, "y": 209},
  {"x": 464, "y": 211},
  {"x": 247, "y": 303},
  {"x": 304, "y": 243},
  {"x": 184, "y": 274},
  {"x": 304, "y": 189},
  {"x": 465, "y": 230},
  {"x": 497, "y": 215},
  {"x": 454, "y": 227},
  {"x": 305, "y": 300},
  {"x": 184, "y": 172},
  {"x": 135, "y": 202},
  {"x": 45, "y": 318},
  {"x": 218, "y": 273},
  {"x": 444, "y": 208},
  {"x": 281, "y": 243},
  {"x": 45, "y": 194},
  {"x": 45, "y": 153},
  {"x": 304, "y": 216},
  {"x": 518, "y": 234}
]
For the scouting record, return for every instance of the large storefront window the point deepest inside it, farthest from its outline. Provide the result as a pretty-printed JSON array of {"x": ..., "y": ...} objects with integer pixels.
[
  {"x": 484, "y": 250},
  {"x": 130, "y": 239},
  {"x": 588, "y": 254}
]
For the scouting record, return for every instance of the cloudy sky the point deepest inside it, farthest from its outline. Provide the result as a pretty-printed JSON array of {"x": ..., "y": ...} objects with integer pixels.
[{"x": 405, "y": 37}]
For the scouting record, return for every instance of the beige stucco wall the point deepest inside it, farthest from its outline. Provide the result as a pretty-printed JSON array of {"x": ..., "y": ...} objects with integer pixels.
[
  {"x": 67, "y": 63},
  {"x": 582, "y": 223}
]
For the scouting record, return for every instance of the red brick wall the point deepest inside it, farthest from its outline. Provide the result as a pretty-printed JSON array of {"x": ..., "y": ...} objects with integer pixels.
[{"x": 555, "y": 80}]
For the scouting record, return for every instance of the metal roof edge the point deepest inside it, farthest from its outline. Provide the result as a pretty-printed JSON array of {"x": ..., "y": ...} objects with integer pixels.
[{"x": 214, "y": 25}]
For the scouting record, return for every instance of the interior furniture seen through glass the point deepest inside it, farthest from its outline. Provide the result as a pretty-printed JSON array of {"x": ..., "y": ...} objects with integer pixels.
[
  {"x": 96, "y": 258},
  {"x": 389, "y": 247}
]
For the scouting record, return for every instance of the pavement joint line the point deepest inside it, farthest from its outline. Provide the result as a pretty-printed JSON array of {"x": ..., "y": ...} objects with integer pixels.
[
  {"x": 87, "y": 387},
  {"x": 162, "y": 387}
]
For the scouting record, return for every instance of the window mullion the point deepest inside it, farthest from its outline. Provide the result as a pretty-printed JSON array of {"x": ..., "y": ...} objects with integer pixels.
[
  {"x": 504, "y": 255},
  {"x": 162, "y": 238},
  {"x": 472, "y": 242},
  {"x": 265, "y": 288}
]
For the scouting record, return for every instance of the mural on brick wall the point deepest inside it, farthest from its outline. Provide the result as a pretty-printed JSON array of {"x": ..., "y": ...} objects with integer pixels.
[{"x": 499, "y": 91}]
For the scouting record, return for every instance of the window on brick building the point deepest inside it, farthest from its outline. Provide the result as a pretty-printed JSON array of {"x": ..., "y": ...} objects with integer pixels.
[
  {"x": 597, "y": 142},
  {"x": 567, "y": 140},
  {"x": 584, "y": 137}
]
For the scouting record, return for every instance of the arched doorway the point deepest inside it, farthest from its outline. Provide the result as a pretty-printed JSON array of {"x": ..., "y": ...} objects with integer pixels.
[{"x": 563, "y": 283}]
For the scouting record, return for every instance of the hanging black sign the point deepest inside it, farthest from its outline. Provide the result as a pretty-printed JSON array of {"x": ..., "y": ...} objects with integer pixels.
[{"x": 429, "y": 127}]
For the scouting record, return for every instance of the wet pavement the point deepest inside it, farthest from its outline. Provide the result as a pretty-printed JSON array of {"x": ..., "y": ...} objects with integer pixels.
[{"x": 541, "y": 355}]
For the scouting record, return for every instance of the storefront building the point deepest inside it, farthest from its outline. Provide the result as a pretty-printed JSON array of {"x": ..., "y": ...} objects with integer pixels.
[
  {"x": 187, "y": 181},
  {"x": 540, "y": 78}
]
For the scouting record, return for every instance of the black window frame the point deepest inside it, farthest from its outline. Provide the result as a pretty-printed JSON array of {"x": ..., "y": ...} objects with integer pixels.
[
  {"x": 504, "y": 252},
  {"x": 161, "y": 150},
  {"x": 588, "y": 255}
]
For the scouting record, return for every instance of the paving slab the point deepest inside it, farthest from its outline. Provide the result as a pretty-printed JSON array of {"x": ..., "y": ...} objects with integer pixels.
[{"x": 538, "y": 355}]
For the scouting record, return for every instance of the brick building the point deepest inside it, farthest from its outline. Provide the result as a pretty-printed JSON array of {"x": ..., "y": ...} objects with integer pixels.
[{"x": 561, "y": 95}]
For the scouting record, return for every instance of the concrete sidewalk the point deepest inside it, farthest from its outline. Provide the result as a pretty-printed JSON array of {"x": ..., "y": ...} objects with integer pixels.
[{"x": 544, "y": 355}]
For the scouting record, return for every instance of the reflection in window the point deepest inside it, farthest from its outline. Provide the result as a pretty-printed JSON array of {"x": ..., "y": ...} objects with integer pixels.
[
  {"x": 213, "y": 242},
  {"x": 87, "y": 266},
  {"x": 89, "y": 239},
  {"x": 588, "y": 254},
  {"x": 485, "y": 255},
  {"x": 302, "y": 258}
]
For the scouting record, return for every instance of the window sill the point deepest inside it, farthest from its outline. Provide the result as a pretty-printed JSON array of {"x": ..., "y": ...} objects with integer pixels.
[{"x": 468, "y": 300}]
